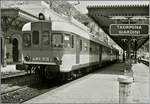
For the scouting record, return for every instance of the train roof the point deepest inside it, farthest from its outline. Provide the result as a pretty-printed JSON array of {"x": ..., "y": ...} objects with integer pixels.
[{"x": 69, "y": 27}]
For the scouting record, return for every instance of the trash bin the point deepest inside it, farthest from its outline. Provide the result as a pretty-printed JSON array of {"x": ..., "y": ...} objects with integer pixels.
[{"x": 125, "y": 90}]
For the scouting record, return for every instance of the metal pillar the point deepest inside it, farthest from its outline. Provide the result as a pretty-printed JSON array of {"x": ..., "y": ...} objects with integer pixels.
[
  {"x": 4, "y": 50},
  {"x": 1, "y": 52},
  {"x": 135, "y": 52},
  {"x": 128, "y": 61},
  {"x": 128, "y": 66},
  {"x": 129, "y": 49},
  {"x": 123, "y": 56},
  {"x": 135, "y": 57}
]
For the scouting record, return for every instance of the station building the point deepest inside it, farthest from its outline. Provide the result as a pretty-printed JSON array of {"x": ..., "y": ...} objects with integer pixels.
[{"x": 12, "y": 20}]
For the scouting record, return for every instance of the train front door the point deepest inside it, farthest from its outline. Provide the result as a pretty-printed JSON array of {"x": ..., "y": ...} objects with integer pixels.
[
  {"x": 15, "y": 51},
  {"x": 77, "y": 50}
]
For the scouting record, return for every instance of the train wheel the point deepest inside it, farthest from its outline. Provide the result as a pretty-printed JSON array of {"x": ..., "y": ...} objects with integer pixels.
[
  {"x": 83, "y": 71},
  {"x": 73, "y": 75},
  {"x": 41, "y": 72},
  {"x": 65, "y": 77}
]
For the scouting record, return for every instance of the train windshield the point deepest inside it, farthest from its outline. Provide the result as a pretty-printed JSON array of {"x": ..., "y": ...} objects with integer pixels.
[
  {"x": 45, "y": 38},
  {"x": 57, "y": 40},
  {"x": 27, "y": 39}
]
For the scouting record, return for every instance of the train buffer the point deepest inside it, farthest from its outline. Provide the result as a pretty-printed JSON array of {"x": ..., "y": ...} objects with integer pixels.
[{"x": 101, "y": 86}]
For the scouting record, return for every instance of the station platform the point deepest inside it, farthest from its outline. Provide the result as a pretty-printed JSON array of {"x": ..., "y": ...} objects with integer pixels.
[{"x": 99, "y": 87}]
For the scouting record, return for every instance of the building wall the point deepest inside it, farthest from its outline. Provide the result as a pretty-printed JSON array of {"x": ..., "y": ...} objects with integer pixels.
[{"x": 9, "y": 45}]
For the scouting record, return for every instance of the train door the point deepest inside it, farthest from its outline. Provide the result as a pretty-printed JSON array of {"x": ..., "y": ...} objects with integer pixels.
[
  {"x": 77, "y": 50},
  {"x": 15, "y": 50}
]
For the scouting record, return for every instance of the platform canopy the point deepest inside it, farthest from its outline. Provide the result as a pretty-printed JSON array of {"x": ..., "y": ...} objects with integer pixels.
[
  {"x": 15, "y": 18},
  {"x": 130, "y": 19}
]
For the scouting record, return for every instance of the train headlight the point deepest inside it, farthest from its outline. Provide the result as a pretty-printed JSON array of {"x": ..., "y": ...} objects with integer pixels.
[
  {"x": 57, "y": 61},
  {"x": 27, "y": 58}
]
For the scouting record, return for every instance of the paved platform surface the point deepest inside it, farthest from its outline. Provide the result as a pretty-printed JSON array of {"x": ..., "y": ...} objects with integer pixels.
[
  {"x": 99, "y": 87},
  {"x": 140, "y": 88},
  {"x": 9, "y": 68}
]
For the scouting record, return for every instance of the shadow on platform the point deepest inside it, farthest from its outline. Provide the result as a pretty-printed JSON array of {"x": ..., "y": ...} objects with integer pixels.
[{"x": 113, "y": 69}]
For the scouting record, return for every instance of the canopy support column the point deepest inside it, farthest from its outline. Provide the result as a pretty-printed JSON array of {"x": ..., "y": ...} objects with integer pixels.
[{"x": 123, "y": 55}]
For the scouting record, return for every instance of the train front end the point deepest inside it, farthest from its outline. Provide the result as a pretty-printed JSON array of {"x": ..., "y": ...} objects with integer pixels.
[{"x": 38, "y": 53}]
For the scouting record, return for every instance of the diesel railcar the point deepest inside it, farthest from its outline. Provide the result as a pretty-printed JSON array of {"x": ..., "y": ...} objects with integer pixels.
[{"x": 62, "y": 49}]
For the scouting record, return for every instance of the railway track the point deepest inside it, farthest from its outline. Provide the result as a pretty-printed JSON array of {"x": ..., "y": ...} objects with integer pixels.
[
  {"x": 22, "y": 88},
  {"x": 14, "y": 83},
  {"x": 27, "y": 92},
  {"x": 19, "y": 89}
]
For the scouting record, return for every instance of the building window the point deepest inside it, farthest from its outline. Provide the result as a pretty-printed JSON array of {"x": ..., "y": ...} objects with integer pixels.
[{"x": 35, "y": 37}]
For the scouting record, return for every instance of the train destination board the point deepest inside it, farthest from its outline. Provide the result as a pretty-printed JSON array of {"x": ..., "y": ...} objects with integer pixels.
[{"x": 128, "y": 29}]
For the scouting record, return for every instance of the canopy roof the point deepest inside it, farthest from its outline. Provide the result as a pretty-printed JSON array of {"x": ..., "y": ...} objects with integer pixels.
[
  {"x": 16, "y": 12},
  {"x": 105, "y": 15},
  {"x": 15, "y": 18}
]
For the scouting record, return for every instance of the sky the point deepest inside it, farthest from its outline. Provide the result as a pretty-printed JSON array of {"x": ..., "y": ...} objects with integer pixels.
[{"x": 83, "y": 3}]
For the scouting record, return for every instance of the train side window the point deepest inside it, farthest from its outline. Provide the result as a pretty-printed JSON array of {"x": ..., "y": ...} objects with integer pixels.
[
  {"x": 45, "y": 38},
  {"x": 67, "y": 41},
  {"x": 97, "y": 49},
  {"x": 26, "y": 39},
  {"x": 90, "y": 49},
  {"x": 35, "y": 37},
  {"x": 57, "y": 40},
  {"x": 85, "y": 46},
  {"x": 72, "y": 41},
  {"x": 80, "y": 45}
]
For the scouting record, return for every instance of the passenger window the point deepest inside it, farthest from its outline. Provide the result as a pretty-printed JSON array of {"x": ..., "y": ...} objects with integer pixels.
[
  {"x": 45, "y": 38},
  {"x": 57, "y": 40},
  {"x": 85, "y": 46},
  {"x": 91, "y": 50},
  {"x": 35, "y": 37},
  {"x": 67, "y": 41},
  {"x": 26, "y": 39},
  {"x": 80, "y": 45},
  {"x": 97, "y": 49},
  {"x": 72, "y": 41}
]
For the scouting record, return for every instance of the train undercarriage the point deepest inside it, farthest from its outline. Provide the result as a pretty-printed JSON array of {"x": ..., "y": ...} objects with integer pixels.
[{"x": 48, "y": 72}]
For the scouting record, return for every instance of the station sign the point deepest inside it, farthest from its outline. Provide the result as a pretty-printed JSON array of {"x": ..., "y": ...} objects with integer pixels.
[{"x": 129, "y": 29}]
